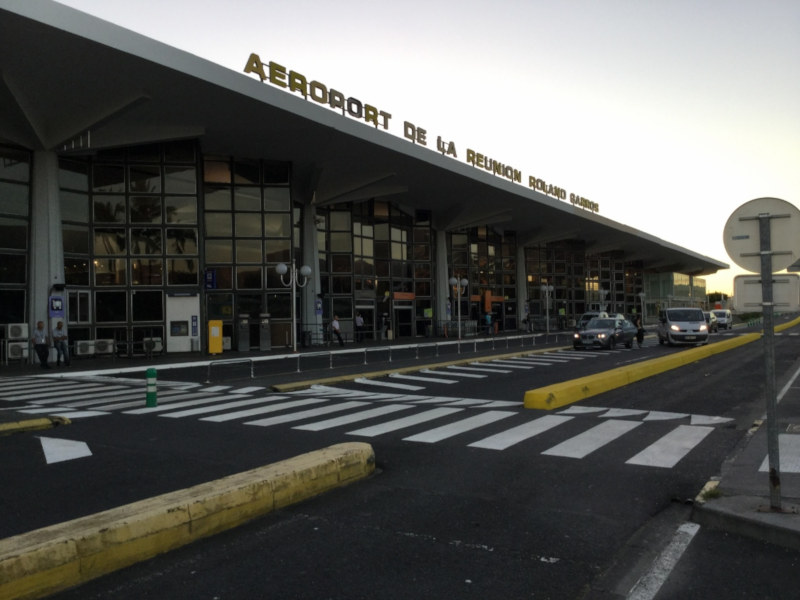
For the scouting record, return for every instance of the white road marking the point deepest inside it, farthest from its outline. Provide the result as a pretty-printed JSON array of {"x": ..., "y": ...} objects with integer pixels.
[
  {"x": 515, "y": 435},
  {"x": 266, "y": 409},
  {"x": 452, "y": 374},
  {"x": 671, "y": 448},
  {"x": 647, "y": 587},
  {"x": 215, "y": 408},
  {"x": 789, "y": 453},
  {"x": 354, "y": 417},
  {"x": 404, "y": 422},
  {"x": 306, "y": 414},
  {"x": 58, "y": 450},
  {"x": 399, "y": 386},
  {"x": 446, "y": 431},
  {"x": 425, "y": 379},
  {"x": 587, "y": 442}
]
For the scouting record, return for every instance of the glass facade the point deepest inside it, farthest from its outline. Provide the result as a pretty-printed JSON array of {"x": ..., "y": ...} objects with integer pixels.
[{"x": 15, "y": 205}]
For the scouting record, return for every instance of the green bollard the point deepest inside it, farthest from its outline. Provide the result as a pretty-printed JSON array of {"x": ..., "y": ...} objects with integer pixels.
[{"x": 152, "y": 396}]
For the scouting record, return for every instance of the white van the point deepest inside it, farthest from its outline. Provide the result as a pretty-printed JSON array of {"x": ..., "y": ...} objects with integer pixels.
[
  {"x": 724, "y": 318},
  {"x": 682, "y": 326}
]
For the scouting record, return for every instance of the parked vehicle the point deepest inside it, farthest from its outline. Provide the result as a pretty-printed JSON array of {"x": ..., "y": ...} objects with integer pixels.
[
  {"x": 711, "y": 321},
  {"x": 604, "y": 332},
  {"x": 682, "y": 326},
  {"x": 724, "y": 318}
]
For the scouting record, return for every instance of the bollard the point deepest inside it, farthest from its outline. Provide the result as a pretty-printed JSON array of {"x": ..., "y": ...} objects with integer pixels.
[{"x": 152, "y": 397}]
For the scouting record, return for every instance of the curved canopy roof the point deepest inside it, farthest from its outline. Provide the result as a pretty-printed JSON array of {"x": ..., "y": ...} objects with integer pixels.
[{"x": 71, "y": 82}]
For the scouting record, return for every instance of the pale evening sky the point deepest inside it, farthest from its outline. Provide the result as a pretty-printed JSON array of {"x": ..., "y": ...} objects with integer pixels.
[{"x": 668, "y": 114}]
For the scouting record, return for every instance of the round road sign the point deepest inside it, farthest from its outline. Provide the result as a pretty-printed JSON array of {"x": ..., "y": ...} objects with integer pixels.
[{"x": 743, "y": 241}]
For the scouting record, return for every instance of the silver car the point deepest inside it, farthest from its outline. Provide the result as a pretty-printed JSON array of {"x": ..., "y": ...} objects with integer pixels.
[{"x": 605, "y": 333}]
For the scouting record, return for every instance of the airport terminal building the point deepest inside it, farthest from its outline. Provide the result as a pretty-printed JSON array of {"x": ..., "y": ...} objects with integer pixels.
[{"x": 145, "y": 192}]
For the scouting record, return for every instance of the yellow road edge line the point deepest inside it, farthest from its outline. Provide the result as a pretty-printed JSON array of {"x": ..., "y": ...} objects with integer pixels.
[
  {"x": 299, "y": 385},
  {"x": 568, "y": 392},
  {"x": 32, "y": 425},
  {"x": 54, "y": 558}
]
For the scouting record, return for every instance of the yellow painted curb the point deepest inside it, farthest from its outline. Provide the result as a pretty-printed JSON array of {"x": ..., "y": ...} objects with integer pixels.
[
  {"x": 51, "y": 559},
  {"x": 32, "y": 425},
  {"x": 299, "y": 385},
  {"x": 575, "y": 390}
]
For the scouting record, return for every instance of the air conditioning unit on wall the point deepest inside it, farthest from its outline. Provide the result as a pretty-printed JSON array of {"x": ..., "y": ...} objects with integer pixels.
[
  {"x": 84, "y": 347},
  {"x": 17, "y": 331},
  {"x": 104, "y": 346},
  {"x": 18, "y": 350}
]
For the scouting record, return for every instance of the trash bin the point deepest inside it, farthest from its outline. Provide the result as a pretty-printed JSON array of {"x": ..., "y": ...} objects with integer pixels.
[{"x": 264, "y": 333}]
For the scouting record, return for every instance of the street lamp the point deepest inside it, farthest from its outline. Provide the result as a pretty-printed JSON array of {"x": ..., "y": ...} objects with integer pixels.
[
  {"x": 459, "y": 285},
  {"x": 281, "y": 269},
  {"x": 547, "y": 290}
]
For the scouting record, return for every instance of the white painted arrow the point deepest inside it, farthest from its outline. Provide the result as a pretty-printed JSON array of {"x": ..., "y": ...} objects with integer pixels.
[{"x": 58, "y": 450}]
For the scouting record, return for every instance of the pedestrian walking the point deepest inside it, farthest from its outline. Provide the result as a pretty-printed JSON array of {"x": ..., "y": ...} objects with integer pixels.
[
  {"x": 336, "y": 329},
  {"x": 359, "y": 327},
  {"x": 639, "y": 331},
  {"x": 39, "y": 340},
  {"x": 60, "y": 344}
]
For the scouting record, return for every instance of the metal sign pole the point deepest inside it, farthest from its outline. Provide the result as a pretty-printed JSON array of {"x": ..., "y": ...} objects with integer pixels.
[{"x": 773, "y": 448}]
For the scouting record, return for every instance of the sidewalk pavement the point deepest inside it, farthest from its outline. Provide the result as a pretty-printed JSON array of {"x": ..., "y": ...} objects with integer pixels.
[{"x": 739, "y": 500}]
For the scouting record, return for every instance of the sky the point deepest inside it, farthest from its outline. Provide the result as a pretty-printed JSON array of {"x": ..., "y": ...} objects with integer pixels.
[{"x": 669, "y": 115}]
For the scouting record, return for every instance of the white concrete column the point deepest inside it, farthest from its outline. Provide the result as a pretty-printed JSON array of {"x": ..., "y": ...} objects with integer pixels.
[
  {"x": 442, "y": 287},
  {"x": 312, "y": 322},
  {"x": 522, "y": 287},
  {"x": 47, "y": 249}
]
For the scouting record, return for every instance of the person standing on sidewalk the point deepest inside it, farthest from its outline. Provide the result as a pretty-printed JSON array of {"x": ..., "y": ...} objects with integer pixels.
[
  {"x": 359, "y": 327},
  {"x": 639, "y": 331},
  {"x": 39, "y": 340},
  {"x": 60, "y": 344},
  {"x": 336, "y": 330}
]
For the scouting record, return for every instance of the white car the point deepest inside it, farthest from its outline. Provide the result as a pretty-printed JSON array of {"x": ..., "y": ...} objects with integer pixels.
[
  {"x": 682, "y": 326},
  {"x": 724, "y": 318}
]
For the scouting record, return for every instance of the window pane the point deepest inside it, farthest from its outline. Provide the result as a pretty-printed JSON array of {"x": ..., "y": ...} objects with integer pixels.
[
  {"x": 110, "y": 307},
  {"x": 248, "y": 278},
  {"x": 217, "y": 198},
  {"x": 145, "y": 241},
  {"x": 220, "y": 306},
  {"x": 277, "y": 225},
  {"x": 223, "y": 276},
  {"x": 340, "y": 263},
  {"x": 219, "y": 251},
  {"x": 12, "y": 268},
  {"x": 145, "y": 209},
  {"x": 109, "y": 241},
  {"x": 14, "y": 198},
  {"x": 75, "y": 238},
  {"x": 218, "y": 224},
  {"x": 217, "y": 171},
  {"x": 145, "y": 271},
  {"x": 247, "y": 225},
  {"x": 74, "y": 206},
  {"x": 108, "y": 178},
  {"x": 14, "y": 164},
  {"x": 341, "y": 242},
  {"x": 73, "y": 174},
  {"x": 182, "y": 271},
  {"x": 13, "y": 233},
  {"x": 181, "y": 209},
  {"x": 145, "y": 179},
  {"x": 109, "y": 209},
  {"x": 109, "y": 271},
  {"x": 182, "y": 241},
  {"x": 247, "y": 198},
  {"x": 147, "y": 306},
  {"x": 277, "y": 199},
  {"x": 340, "y": 221},
  {"x": 278, "y": 251},
  {"x": 248, "y": 251},
  {"x": 180, "y": 180},
  {"x": 76, "y": 272},
  {"x": 13, "y": 303}
]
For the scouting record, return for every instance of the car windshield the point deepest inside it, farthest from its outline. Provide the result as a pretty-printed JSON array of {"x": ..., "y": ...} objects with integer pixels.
[
  {"x": 719, "y": 313},
  {"x": 600, "y": 324},
  {"x": 686, "y": 315}
]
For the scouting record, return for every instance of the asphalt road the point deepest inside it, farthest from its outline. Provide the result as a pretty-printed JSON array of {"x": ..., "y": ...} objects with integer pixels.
[{"x": 449, "y": 513}]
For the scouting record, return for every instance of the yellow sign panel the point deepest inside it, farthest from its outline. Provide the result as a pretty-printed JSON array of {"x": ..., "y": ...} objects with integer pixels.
[{"x": 215, "y": 337}]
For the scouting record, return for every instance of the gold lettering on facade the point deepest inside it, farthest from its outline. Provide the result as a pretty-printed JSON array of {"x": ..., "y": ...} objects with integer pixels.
[{"x": 481, "y": 161}]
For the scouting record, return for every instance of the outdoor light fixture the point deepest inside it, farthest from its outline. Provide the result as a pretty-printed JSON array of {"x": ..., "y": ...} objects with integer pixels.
[
  {"x": 294, "y": 281},
  {"x": 547, "y": 290},
  {"x": 459, "y": 285}
]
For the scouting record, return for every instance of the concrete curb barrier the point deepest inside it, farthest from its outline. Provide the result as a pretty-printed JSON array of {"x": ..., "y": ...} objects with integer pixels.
[
  {"x": 32, "y": 425},
  {"x": 51, "y": 559},
  {"x": 299, "y": 385},
  {"x": 575, "y": 390}
]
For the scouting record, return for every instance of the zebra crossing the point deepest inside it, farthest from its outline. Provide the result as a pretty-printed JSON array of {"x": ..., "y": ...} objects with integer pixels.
[{"x": 400, "y": 405}]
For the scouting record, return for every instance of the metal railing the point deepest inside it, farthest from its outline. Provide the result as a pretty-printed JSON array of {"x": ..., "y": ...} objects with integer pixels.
[{"x": 331, "y": 359}]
